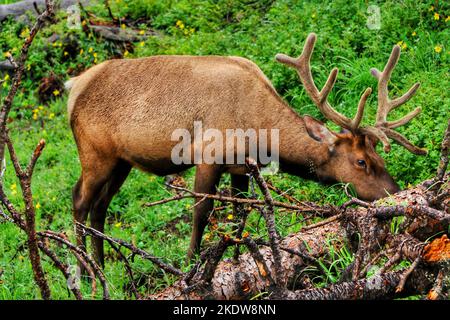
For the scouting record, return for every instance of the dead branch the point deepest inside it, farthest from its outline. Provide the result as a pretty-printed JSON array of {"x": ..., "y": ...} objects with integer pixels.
[
  {"x": 381, "y": 286},
  {"x": 268, "y": 214},
  {"x": 62, "y": 267},
  {"x": 306, "y": 207},
  {"x": 443, "y": 164},
  {"x": 84, "y": 256},
  {"x": 224, "y": 285},
  {"x": 25, "y": 175},
  {"x": 157, "y": 261}
]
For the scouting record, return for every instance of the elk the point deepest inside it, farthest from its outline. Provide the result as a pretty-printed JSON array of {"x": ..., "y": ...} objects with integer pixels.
[{"x": 122, "y": 113}]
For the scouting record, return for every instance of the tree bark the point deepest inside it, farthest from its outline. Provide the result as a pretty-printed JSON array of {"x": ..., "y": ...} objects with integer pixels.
[{"x": 242, "y": 279}]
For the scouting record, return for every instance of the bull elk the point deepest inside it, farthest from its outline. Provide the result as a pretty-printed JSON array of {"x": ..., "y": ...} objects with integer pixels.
[{"x": 123, "y": 111}]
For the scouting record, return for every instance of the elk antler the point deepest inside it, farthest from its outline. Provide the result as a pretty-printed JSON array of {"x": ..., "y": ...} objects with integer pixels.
[
  {"x": 302, "y": 65},
  {"x": 382, "y": 129}
]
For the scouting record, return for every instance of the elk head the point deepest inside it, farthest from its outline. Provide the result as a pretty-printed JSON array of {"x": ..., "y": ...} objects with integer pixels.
[{"x": 351, "y": 154}]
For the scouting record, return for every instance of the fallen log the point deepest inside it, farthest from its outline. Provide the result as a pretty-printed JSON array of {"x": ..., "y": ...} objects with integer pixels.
[
  {"x": 6, "y": 65},
  {"x": 245, "y": 278},
  {"x": 242, "y": 279},
  {"x": 121, "y": 35},
  {"x": 20, "y": 8},
  {"x": 380, "y": 286}
]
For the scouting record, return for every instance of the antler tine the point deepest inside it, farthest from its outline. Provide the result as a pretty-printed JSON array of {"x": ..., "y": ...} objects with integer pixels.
[
  {"x": 302, "y": 65},
  {"x": 385, "y": 105},
  {"x": 401, "y": 140},
  {"x": 359, "y": 114},
  {"x": 379, "y": 134},
  {"x": 383, "y": 80}
]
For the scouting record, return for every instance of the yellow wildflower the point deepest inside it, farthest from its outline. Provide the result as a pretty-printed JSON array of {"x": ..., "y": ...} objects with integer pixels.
[
  {"x": 35, "y": 116},
  {"x": 51, "y": 116},
  {"x": 14, "y": 189},
  {"x": 90, "y": 49},
  {"x": 38, "y": 205},
  {"x": 28, "y": 67},
  {"x": 66, "y": 53},
  {"x": 56, "y": 93},
  {"x": 126, "y": 53},
  {"x": 438, "y": 49},
  {"x": 414, "y": 34},
  {"x": 7, "y": 54},
  {"x": 41, "y": 107},
  {"x": 180, "y": 24},
  {"x": 402, "y": 45},
  {"x": 95, "y": 54},
  {"x": 245, "y": 234},
  {"x": 436, "y": 16},
  {"x": 118, "y": 224},
  {"x": 123, "y": 26},
  {"x": 230, "y": 217},
  {"x": 81, "y": 51},
  {"x": 25, "y": 32},
  {"x": 142, "y": 43},
  {"x": 142, "y": 32}
]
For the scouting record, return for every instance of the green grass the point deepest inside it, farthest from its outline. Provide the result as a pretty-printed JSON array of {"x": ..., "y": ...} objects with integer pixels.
[{"x": 226, "y": 27}]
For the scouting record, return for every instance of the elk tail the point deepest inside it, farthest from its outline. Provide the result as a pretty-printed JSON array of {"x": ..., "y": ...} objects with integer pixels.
[{"x": 69, "y": 84}]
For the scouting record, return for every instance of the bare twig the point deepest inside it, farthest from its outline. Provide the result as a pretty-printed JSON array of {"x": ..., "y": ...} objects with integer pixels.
[
  {"x": 406, "y": 274},
  {"x": 191, "y": 194},
  {"x": 268, "y": 215},
  {"x": 166, "y": 267}
]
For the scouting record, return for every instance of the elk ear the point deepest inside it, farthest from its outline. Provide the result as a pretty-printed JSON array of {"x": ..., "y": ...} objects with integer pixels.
[{"x": 319, "y": 132}]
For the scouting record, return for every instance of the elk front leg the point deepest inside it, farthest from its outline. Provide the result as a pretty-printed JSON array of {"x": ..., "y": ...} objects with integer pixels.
[{"x": 206, "y": 179}]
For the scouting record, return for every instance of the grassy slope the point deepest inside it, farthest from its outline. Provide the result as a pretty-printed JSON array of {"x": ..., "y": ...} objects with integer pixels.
[{"x": 258, "y": 32}]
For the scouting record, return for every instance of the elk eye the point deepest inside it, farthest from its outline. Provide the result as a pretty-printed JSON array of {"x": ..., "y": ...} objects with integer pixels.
[{"x": 362, "y": 163}]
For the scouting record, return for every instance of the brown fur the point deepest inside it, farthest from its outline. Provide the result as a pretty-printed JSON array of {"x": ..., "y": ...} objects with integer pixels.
[{"x": 123, "y": 112}]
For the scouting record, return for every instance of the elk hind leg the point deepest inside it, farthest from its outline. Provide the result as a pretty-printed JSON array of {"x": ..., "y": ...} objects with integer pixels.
[{"x": 100, "y": 206}]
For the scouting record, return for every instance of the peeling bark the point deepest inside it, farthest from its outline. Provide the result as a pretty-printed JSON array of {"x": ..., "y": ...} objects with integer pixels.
[{"x": 242, "y": 280}]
